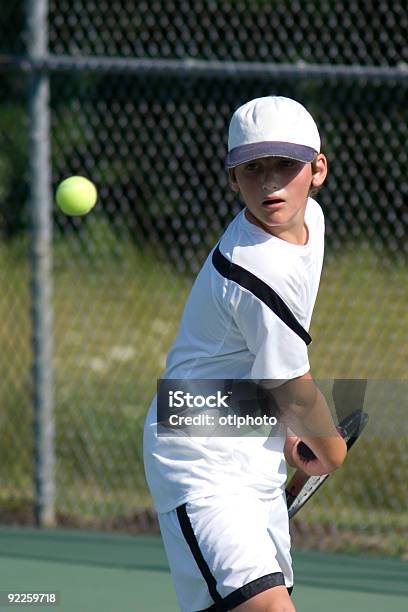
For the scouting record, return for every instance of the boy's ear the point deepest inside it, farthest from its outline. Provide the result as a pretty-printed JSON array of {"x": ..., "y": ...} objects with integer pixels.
[
  {"x": 233, "y": 180},
  {"x": 319, "y": 170}
]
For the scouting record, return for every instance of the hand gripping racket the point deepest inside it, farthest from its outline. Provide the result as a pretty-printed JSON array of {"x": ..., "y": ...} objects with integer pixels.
[{"x": 301, "y": 486}]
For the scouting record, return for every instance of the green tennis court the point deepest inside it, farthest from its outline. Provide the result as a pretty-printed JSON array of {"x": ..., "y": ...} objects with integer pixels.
[{"x": 107, "y": 573}]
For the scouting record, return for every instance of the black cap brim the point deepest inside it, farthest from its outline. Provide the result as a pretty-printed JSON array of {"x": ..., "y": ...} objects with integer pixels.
[{"x": 249, "y": 152}]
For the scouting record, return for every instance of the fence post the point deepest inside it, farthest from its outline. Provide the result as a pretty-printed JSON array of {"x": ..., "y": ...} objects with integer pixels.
[{"x": 41, "y": 219}]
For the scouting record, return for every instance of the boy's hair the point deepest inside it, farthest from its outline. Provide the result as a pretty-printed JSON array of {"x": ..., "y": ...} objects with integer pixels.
[{"x": 312, "y": 191}]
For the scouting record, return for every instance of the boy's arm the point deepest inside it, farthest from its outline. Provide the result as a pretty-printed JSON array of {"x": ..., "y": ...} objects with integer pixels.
[
  {"x": 278, "y": 349},
  {"x": 305, "y": 411}
]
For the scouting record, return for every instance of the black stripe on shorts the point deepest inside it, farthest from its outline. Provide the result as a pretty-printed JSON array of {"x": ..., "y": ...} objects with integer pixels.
[
  {"x": 191, "y": 540},
  {"x": 261, "y": 290},
  {"x": 249, "y": 590},
  {"x": 238, "y": 596}
]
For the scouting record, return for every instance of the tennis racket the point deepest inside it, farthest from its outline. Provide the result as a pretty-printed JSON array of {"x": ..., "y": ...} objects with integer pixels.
[{"x": 301, "y": 486}]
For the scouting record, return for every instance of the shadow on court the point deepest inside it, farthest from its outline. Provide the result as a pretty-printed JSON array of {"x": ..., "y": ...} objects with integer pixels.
[{"x": 98, "y": 572}]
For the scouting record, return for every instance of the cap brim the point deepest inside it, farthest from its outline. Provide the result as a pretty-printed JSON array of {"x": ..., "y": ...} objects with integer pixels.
[{"x": 245, "y": 153}]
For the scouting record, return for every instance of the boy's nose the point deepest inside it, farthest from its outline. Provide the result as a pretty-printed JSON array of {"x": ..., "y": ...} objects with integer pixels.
[
  {"x": 269, "y": 186},
  {"x": 270, "y": 182}
]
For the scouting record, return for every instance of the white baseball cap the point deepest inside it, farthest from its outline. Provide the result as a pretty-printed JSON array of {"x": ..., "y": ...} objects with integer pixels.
[{"x": 272, "y": 126}]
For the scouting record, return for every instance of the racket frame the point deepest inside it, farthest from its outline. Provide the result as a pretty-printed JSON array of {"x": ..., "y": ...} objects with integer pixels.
[{"x": 301, "y": 486}]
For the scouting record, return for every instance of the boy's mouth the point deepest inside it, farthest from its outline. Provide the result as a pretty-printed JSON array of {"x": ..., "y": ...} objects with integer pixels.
[{"x": 273, "y": 202}]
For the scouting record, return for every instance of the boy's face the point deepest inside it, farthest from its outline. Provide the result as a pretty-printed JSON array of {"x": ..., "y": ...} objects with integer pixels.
[{"x": 275, "y": 191}]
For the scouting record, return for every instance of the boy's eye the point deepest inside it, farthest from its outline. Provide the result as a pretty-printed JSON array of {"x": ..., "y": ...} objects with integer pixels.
[
  {"x": 252, "y": 167},
  {"x": 287, "y": 163}
]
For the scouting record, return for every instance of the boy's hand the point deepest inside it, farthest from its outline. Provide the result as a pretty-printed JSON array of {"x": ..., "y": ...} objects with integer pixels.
[
  {"x": 290, "y": 442},
  {"x": 309, "y": 464}
]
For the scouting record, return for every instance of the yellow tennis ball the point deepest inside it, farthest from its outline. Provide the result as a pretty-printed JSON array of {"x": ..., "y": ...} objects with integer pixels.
[{"x": 76, "y": 195}]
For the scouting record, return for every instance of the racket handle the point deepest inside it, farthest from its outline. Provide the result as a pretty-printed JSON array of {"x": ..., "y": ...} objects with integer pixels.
[
  {"x": 306, "y": 453},
  {"x": 295, "y": 485}
]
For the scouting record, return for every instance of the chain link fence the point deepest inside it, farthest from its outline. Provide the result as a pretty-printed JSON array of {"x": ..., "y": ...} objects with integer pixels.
[{"x": 141, "y": 96}]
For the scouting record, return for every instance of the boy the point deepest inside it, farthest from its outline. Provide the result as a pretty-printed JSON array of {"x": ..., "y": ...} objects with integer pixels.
[{"x": 220, "y": 501}]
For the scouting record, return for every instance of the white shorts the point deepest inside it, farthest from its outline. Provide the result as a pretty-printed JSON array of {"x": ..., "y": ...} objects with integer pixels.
[{"x": 223, "y": 550}]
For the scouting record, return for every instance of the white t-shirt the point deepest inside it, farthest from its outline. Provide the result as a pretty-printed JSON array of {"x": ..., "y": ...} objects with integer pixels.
[{"x": 228, "y": 332}]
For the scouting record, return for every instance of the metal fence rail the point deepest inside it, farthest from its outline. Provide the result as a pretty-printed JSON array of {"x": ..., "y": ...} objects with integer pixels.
[
  {"x": 140, "y": 99},
  {"x": 204, "y": 68}
]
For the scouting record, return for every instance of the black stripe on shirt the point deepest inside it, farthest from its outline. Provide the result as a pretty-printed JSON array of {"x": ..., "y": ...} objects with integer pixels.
[{"x": 261, "y": 290}]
